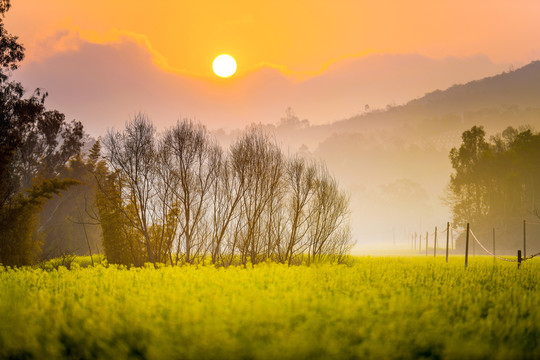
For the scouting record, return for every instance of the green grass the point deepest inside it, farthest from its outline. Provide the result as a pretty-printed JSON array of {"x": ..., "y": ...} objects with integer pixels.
[{"x": 380, "y": 308}]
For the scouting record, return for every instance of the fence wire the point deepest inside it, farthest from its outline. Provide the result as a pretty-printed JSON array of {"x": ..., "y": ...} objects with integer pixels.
[
  {"x": 489, "y": 252},
  {"x": 440, "y": 231},
  {"x": 461, "y": 231}
]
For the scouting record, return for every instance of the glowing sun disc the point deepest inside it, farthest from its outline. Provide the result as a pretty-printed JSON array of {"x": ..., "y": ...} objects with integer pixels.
[{"x": 224, "y": 66}]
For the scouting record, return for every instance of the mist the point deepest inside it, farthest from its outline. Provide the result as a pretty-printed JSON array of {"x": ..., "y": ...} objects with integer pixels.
[
  {"x": 395, "y": 162},
  {"x": 383, "y": 124}
]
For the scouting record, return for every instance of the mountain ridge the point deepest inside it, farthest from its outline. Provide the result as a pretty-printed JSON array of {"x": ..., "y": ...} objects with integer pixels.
[{"x": 517, "y": 88}]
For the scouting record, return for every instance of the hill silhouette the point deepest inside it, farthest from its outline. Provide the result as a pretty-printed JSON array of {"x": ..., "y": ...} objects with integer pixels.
[{"x": 510, "y": 98}]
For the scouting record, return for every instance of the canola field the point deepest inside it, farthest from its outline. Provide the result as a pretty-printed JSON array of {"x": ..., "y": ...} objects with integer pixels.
[{"x": 372, "y": 308}]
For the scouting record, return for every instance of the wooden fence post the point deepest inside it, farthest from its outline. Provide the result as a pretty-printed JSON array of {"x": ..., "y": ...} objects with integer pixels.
[
  {"x": 467, "y": 246},
  {"x": 524, "y": 239},
  {"x": 494, "y": 259},
  {"x": 447, "y": 239},
  {"x": 435, "y": 244},
  {"x": 452, "y": 237},
  {"x": 519, "y": 258}
]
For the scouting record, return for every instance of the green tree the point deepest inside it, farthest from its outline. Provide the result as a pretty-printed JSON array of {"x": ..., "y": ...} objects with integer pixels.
[
  {"x": 121, "y": 242},
  {"x": 35, "y": 146},
  {"x": 11, "y": 52},
  {"x": 467, "y": 184},
  {"x": 496, "y": 184},
  {"x": 130, "y": 156},
  {"x": 19, "y": 244}
]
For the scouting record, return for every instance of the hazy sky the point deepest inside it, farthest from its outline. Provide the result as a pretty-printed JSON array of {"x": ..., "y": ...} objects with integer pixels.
[
  {"x": 104, "y": 60},
  {"x": 300, "y": 36}
]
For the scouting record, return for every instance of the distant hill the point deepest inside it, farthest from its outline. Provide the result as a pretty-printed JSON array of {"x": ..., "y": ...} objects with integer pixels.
[
  {"x": 436, "y": 119},
  {"x": 510, "y": 98},
  {"x": 518, "y": 87}
]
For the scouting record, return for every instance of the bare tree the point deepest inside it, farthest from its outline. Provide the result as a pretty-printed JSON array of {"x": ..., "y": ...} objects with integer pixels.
[
  {"x": 183, "y": 199},
  {"x": 227, "y": 194},
  {"x": 275, "y": 225},
  {"x": 329, "y": 217},
  {"x": 170, "y": 208},
  {"x": 130, "y": 154},
  {"x": 193, "y": 161},
  {"x": 301, "y": 181},
  {"x": 258, "y": 163}
]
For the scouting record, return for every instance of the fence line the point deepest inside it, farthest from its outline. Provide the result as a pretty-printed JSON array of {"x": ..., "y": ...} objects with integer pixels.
[
  {"x": 451, "y": 230},
  {"x": 489, "y": 252}
]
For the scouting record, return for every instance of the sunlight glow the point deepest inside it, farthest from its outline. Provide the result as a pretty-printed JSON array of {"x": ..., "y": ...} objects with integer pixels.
[{"x": 224, "y": 66}]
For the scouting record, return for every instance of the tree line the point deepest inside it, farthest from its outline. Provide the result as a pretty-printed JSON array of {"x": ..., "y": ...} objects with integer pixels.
[
  {"x": 174, "y": 197},
  {"x": 177, "y": 197},
  {"x": 496, "y": 183}
]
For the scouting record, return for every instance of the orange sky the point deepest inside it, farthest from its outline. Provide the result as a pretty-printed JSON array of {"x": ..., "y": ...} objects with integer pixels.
[
  {"x": 299, "y": 37},
  {"x": 101, "y": 61}
]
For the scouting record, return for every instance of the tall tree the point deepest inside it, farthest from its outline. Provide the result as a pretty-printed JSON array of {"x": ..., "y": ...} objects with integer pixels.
[
  {"x": 11, "y": 51},
  {"x": 258, "y": 162},
  {"x": 329, "y": 232},
  {"x": 193, "y": 160},
  {"x": 496, "y": 183},
  {"x": 131, "y": 156},
  {"x": 35, "y": 145},
  {"x": 227, "y": 193},
  {"x": 468, "y": 182},
  {"x": 301, "y": 180}
]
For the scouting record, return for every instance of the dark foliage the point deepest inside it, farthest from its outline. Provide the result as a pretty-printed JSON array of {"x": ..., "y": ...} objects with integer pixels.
[
  {"x": 35, "y": 147},
  {"x": 496, "y": 183}
]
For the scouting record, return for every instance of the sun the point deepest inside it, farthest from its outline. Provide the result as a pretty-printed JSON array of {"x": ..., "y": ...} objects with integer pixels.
[{"x": 224, "y": 65}]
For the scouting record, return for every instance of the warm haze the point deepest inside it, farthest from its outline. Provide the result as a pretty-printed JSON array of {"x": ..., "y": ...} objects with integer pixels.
[
  {"x": 102, "y": 62},
  {"x": 326, "y": 60},
  {"x": 299, "y": 37}
]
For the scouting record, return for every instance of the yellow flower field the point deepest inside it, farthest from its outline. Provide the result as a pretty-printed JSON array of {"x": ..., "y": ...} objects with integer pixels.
[{"x": 380, "y": 308}]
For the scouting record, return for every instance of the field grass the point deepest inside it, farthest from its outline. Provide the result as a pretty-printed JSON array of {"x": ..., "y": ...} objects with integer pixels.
[{"x": 379, "y": 308}]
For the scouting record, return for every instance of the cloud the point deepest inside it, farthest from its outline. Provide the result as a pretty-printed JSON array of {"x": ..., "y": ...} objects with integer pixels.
[
  {"x": 71, "y": 38},
  {"x": 55, "y": 42},
  {"x": 102, "y": 78}
]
